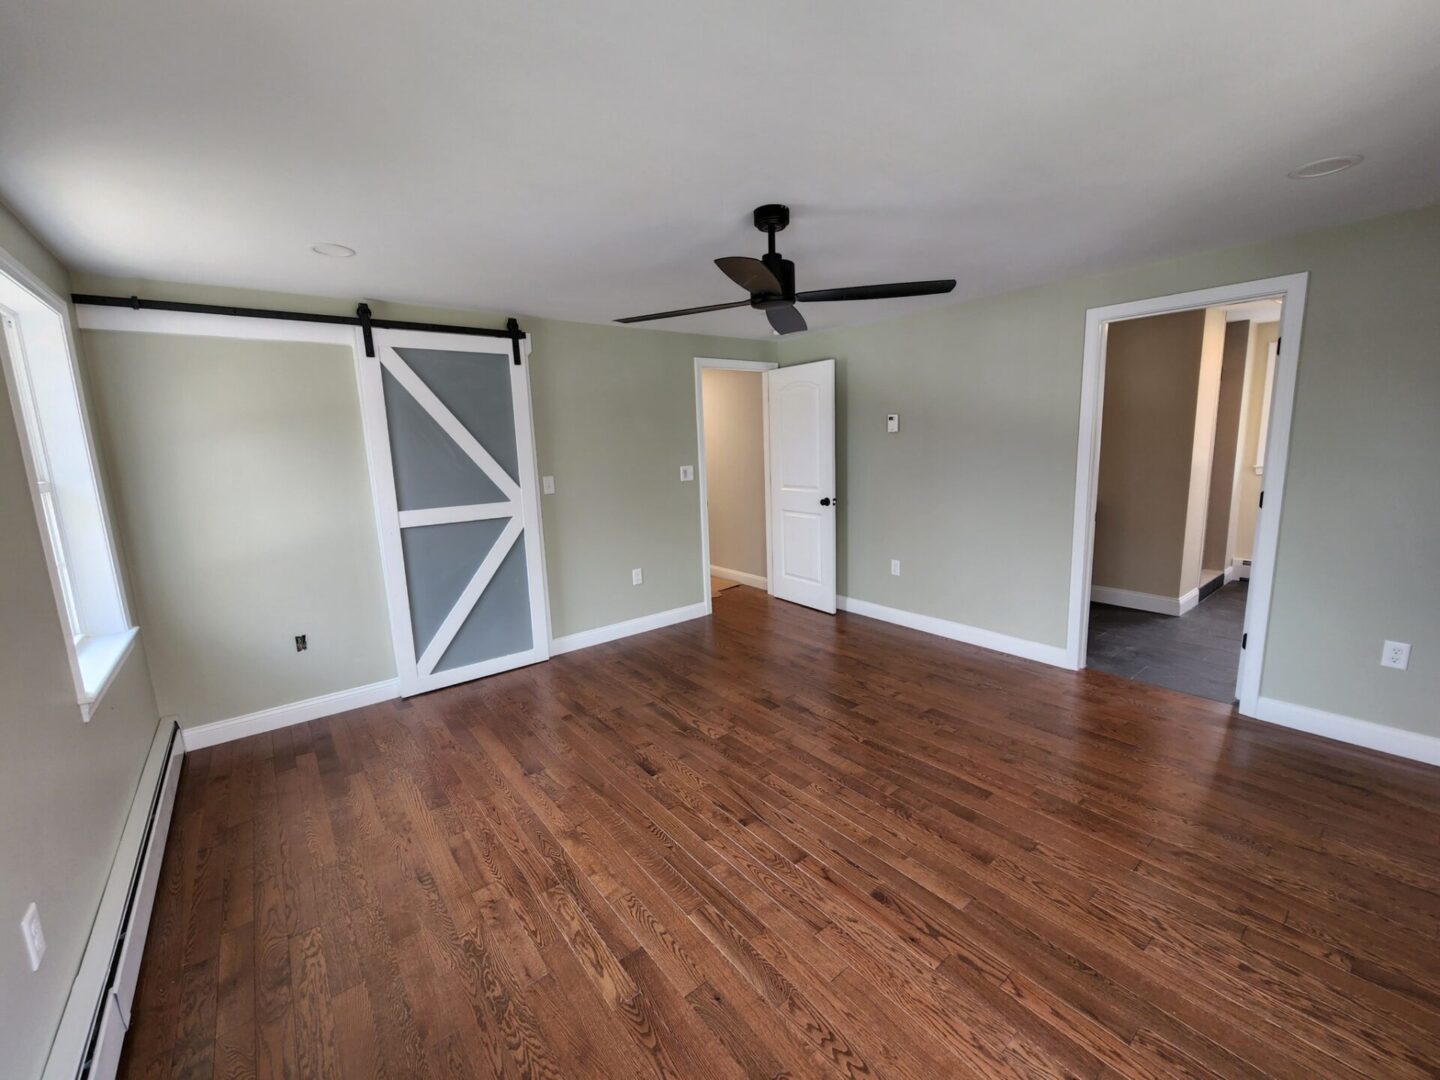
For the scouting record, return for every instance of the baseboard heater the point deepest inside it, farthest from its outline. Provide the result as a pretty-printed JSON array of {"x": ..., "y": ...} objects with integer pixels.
[{"x": 92, "y": 1028}]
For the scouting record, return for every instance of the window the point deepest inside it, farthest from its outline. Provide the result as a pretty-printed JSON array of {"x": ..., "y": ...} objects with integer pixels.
[{"x": 36, "y": 347}]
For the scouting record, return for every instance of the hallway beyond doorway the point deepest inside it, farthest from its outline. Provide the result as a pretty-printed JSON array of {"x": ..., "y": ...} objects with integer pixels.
[{"x": 1196, "y": 653}]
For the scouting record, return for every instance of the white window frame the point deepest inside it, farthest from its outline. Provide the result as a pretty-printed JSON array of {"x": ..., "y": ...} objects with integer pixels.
[{"x": 89, "y": 593}]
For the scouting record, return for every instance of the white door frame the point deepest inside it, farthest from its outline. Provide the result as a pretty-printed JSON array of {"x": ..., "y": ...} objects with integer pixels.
[
  {"x": 1291, "y": 289},
  {"x": 721, "y": 364},
  {"x": 416, "y": 673}
]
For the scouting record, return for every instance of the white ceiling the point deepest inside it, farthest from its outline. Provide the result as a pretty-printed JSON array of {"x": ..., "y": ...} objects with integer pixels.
[{"x": 586, "y": 161}]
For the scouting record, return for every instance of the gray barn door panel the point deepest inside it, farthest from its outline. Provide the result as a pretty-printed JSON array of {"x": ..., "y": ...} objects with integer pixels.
[{"x": 453, "y": 462}]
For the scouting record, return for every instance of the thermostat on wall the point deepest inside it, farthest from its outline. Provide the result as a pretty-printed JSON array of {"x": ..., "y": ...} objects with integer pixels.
[{"x": 892, "y": 422}]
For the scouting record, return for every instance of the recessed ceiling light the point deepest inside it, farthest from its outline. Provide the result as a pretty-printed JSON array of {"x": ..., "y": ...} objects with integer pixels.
[
  {"x": 335, "y": 251},
  {"x": 1326, "y": 167}
]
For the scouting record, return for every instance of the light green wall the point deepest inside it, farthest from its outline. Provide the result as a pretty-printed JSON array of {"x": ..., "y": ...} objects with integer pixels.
[
  {"x": 975, "y": 494},
  {"x": 65, "y": 786},
  {"x": 614, "y": 412},
  {"x": 614, "y": 421},
  {"x": 242, "y": 498}
]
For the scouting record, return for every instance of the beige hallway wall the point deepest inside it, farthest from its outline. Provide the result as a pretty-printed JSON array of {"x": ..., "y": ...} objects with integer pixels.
[
  {"x": 735, "y": 469},
  {"x": 1152, "y": 379},
  {"x": 1227, "y": 433}
]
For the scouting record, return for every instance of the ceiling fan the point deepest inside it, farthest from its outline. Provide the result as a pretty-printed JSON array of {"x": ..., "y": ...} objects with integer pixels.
[{"x": 770, "y": 281}]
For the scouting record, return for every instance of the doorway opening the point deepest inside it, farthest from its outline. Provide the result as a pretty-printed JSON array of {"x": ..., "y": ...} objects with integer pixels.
[
  {"x": 1184, "y": 429},
  {"x": 733, "y": 437}
]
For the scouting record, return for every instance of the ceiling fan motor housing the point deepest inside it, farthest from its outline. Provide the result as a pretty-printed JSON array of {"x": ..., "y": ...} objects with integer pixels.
[{"x": 784, "y": 271}]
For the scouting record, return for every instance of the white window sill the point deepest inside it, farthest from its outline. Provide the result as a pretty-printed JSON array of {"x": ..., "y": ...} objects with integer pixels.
[{"x": 99, "y": 659}]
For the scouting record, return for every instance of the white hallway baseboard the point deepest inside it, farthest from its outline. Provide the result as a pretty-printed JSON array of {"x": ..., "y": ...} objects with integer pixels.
[
  {"x": 758, "y": 581},
  {"x": 1144, "y": 601},
  {"x": 1054, "y": 655},
  {"x": 1349, "y": 729}
]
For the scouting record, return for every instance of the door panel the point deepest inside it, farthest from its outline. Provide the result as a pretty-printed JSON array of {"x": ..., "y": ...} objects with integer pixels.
[
  {"x": 448, "y": 420},
  {"x": 801, "y": 404}
]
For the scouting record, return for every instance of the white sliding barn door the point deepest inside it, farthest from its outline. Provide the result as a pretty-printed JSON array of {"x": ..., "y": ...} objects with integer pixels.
[
  {"x": 447, "y": 423},
  {"x": 801, "y": 405}
]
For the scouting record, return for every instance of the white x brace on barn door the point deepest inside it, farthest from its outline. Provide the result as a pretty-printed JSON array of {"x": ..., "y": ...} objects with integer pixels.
[{"x": 447, "y": 423}]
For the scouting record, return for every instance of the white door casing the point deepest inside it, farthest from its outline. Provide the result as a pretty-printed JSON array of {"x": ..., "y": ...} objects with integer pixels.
[
  {"x": 800, "y": 404},
  {"x": 449, "y": 435}
]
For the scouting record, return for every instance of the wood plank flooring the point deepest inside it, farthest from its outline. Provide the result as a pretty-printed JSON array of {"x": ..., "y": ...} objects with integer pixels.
[{"x": 773, "y": 843}]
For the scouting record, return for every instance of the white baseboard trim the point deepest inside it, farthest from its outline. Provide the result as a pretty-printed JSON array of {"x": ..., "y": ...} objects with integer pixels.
[
  {"x": 613, "y": 632},
  {"x": 1231, "y": 573},
  {"x": 758, "y": 581},
  {"x": 1144, "y": 601},
  {"x": 970, "y": 635},
  {"x": 104, "y": 987},
  {"x": 1349, "y": 729},
  {"x": 296, "y": 712}
]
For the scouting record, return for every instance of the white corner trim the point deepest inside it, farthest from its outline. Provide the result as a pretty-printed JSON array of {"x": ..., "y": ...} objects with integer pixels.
[
  {"x": 1349, "y": 729},
  {"x": 758, "y": 581},
  {"x": 1231, "y": 573},
  {"x": 1144, "y": 601},
  {"x": 1054, "y": 655},
  {"x": 296, "y": 712},
  {"x": 613, "y": 632}
]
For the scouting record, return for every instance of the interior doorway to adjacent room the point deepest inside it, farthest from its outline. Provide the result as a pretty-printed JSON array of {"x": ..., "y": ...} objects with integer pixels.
[
  {"x": 734, "y": 518},
  {"x": 1188, "y": 417}
]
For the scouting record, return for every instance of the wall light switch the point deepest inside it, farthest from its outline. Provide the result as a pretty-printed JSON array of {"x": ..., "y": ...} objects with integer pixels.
[
  {"x": 34, "y": 936},
  {"x": 1395, "y": 654},
  {"x": 892, "y": 422},
  {"x": 687, "y": 472},
  {"x": 547, "y": 485},
  {"x": 637, "y": 577},
  {"x": 894, "y": 567}
]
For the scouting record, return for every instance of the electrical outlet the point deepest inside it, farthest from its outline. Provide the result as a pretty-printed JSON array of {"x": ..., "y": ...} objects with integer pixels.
[
  {"x": 547, "y": 485},
  {"x": 1395, "y": 654},
  {"x": 894, "y": 567},
  {"x": 687, "y": 472},
  {"x": 300, "y": 643},
  {"x": 34, "y": 936},
  {"x": 636, "y": 577},
  {"x": 892, "y": 422}
]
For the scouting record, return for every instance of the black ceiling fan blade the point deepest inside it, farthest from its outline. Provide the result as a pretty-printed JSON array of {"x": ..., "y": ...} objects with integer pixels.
[
  {"x": 684, "y": 311},
  {"x": 878, "y": 292},
  {"x": 752, "y": 275},
  {"x": 786, "y": 319}
]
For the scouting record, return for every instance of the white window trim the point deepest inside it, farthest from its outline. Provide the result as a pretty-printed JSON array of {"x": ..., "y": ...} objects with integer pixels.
[{"x": 94, "y": 659}]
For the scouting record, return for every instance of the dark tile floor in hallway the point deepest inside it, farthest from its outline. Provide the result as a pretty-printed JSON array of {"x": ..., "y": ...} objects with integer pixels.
[{"x": 1196, "y": 653}]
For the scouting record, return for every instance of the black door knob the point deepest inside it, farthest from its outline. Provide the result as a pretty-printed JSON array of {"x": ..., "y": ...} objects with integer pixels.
[{"x": 824, "y": 502}]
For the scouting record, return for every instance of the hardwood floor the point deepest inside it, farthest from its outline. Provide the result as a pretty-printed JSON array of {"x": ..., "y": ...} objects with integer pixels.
[{"x": 774, "y": 843}]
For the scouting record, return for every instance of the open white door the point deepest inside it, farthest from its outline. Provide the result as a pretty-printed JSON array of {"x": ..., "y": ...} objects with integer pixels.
[
  {"x": 447, "y": 425},
  {"x": 801, "y": 404}
]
